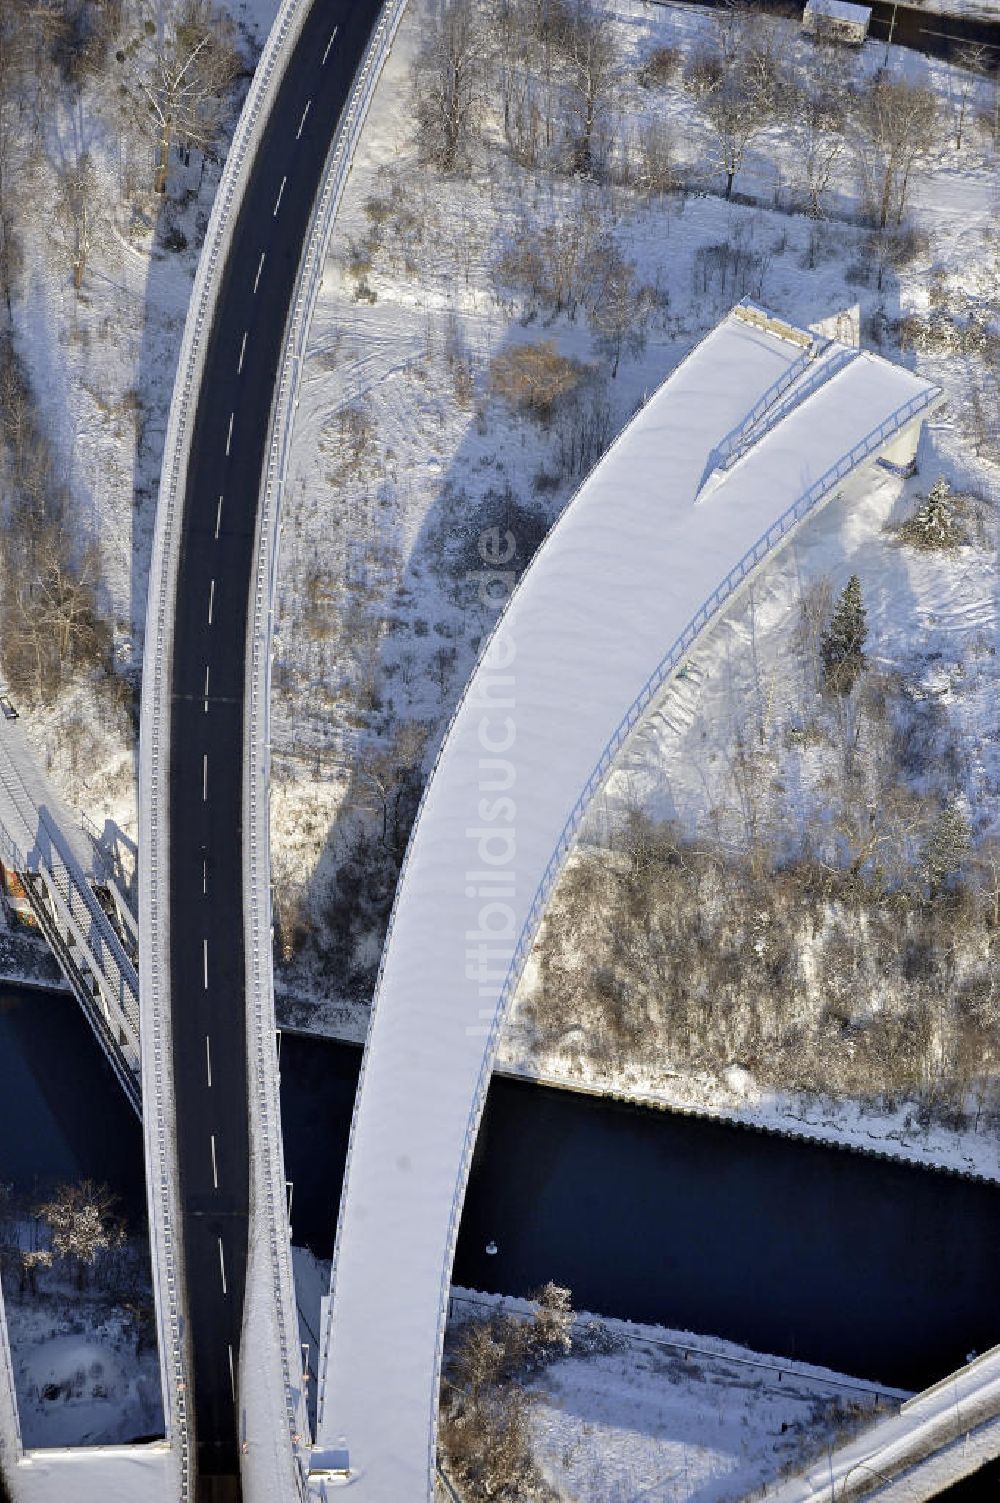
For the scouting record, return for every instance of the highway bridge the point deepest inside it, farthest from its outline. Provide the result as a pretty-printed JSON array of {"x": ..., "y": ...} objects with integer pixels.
[{"x": 193, "y": 893}]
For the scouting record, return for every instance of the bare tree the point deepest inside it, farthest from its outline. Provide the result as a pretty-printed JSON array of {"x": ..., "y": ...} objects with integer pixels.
[
  {"x": 49, "y": 621},
  {"x": 618, "y": 305},
  {"x": 391, "y": 778},
  {"x": 12, "y": 59},
  {"x": 77, "y": 200},
  {"x": 593, "y": 68},
  {"x": 182, "y": 88},
  {"x": 969, "y": 64},
  {"x": 447, "y": 84},
  {"x": 654, "y": 147},
  {"x": 736, "y": 90},
  {"x": 893, "y": 130},
  {"x": 84, "y": 1222},
  {"x": 820, "y": 136},
  {"x": 989, "y": 116}
]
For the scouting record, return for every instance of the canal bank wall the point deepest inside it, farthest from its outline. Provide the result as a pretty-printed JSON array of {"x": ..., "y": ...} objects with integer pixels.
[
  {"x": 843, "y": 1125},
  {"x": 889, "y": 1135}
]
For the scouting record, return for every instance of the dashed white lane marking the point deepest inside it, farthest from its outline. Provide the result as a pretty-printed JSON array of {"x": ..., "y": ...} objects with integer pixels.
[
  {"x": 303, "y": 120},
  {"x": 260, "y": 268},
  {"x": 232, "y": 1375},
  {"x": 208, "y": 1062},
  {"x": 229, "y": 435},
  {"x": 328, "y": 46},
  {"x": 277, "y": 201},
  {"x": 222, "y": 1270},
  {"x": 204, "y": 877},
  {"x": 204, "y": 778},
  {"x": 215, "y": 1182},
  {"x": 211, "y": 601},
  {"x": 206, "y": 689},
  {"x": 243, "y": 350},
  {"x": 204, "y": 962},
  {"x": 218, "y": 517}
]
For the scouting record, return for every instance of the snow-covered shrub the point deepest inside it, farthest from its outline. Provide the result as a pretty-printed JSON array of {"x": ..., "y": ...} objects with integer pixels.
[
  {"x": 484, "y": 1437},
  {"x": 534, "y": 378}
]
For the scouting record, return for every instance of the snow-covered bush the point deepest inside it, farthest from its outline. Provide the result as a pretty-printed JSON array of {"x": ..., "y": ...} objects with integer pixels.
[{"x": 484, "y": 1437}]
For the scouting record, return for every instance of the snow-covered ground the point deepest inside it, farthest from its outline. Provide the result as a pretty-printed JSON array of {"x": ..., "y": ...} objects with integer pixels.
[
  {"x": 641, "y": 1411},
  {"x": 86, "y": 1371},
  {"x": 83, "y": 1388}
]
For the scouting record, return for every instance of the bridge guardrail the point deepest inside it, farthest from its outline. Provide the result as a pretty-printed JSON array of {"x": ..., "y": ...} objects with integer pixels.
[
  {"x": 155, "y": 720},
  {"x": 256, "y": 789},
  {"x": 736, "y": 436},
  {"x": 742, "y": 440}
]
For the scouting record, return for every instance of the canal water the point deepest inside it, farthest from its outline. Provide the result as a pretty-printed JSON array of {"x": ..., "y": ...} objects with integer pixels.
[
  {"x": 881, "y": 1270},
  {"x": 62, "y": 1112}
]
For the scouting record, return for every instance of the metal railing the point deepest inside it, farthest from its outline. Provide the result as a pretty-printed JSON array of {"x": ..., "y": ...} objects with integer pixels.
[
  {"x": 73, "y": 917},
  {"x": 8, "y": 1392},
  {"x": 125, "y": 1068},
  {"x": 492, "y": 1303},
  {"x": 154, "y": 903},
  {"x": 720, "y": 457},
  {"x": 781, "y": 402},
  {"x": 256, "y": 788},
  {"x": 956, "y": 1377}
]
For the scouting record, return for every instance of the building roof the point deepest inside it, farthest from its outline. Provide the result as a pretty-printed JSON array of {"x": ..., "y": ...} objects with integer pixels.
[{"x": 839, "y": 10}]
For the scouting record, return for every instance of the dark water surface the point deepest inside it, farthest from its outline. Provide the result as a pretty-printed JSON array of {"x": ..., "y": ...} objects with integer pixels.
[
  {"x": 882, "y": 1270},
  {"x": 62, "y": 1112}
]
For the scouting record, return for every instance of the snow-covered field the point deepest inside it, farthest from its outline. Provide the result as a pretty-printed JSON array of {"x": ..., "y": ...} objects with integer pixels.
[{"x": 83, "y": 1388}]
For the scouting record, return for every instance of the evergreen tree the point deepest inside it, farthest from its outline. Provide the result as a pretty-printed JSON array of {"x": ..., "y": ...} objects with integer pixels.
[
  {"x": 842, "y": 644},
  {"x": 933, "y": 525}
]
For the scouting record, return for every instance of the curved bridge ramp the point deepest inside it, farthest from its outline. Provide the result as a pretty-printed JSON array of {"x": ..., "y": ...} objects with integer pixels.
[
  {"x": 77, "y": 906},
  {"x": 940, "y": 1436},
  {"x": 656, "y": 543}
]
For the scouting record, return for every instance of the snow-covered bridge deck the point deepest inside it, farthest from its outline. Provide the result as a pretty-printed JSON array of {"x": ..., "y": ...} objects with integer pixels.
[{"x": 752, "y": 432}]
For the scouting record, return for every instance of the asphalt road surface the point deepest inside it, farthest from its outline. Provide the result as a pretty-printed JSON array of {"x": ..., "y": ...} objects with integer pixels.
[{"x": 206, "y": 752}]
